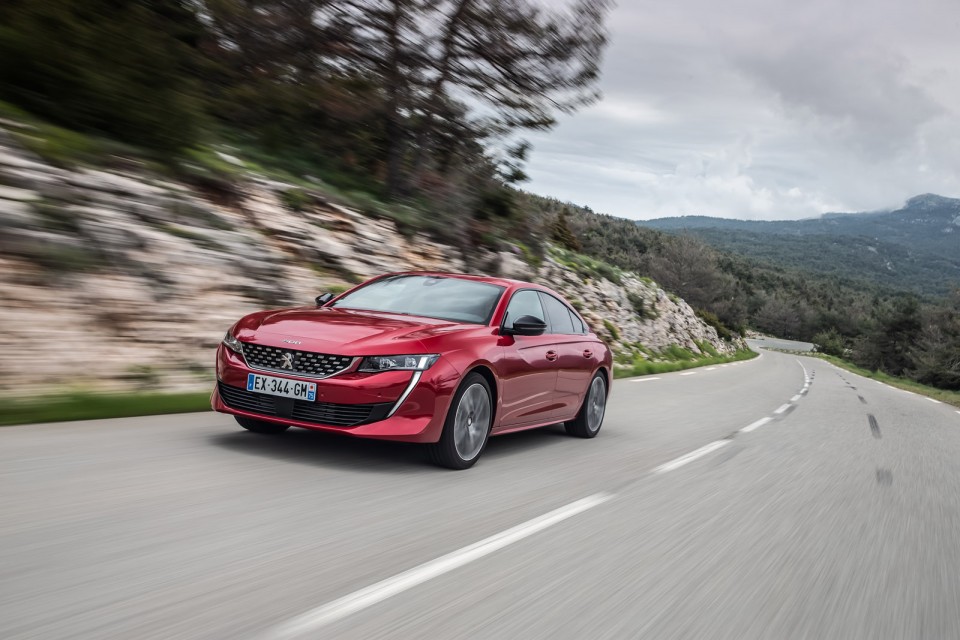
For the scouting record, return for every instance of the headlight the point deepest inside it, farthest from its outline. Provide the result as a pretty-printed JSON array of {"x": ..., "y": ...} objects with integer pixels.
[
  {"x": 232, "y": 343},
  {"x": 373, "y": 364}
]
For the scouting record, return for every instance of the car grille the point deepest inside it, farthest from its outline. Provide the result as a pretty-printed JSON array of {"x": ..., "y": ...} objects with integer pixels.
[
  {"x": 326, "y": 413},
  {"x": 318, "y": 365}
]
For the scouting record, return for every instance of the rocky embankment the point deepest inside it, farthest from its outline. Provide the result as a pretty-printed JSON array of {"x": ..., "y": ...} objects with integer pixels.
[{"x": 119, "y": 279}]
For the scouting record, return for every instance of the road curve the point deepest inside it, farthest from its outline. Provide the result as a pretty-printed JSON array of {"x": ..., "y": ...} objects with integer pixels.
[{"x": 775, "y": 498}]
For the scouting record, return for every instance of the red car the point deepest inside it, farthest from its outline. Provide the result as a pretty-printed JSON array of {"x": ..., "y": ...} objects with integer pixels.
[{"x": 442, "y": 359}]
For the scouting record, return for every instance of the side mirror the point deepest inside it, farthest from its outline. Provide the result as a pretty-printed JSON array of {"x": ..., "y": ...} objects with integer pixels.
[
  {"x": 526, "y": 326},
  {"x": 323, "y": 299}
]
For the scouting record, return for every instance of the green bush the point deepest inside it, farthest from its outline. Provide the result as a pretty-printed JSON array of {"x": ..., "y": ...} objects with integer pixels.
[
  {"x": 677, "y": 353},
  {"x": 295, "y": 199},
  {"x": 830, "y": 342},
  {"x": 611, "y": 329},
  {"x": 711, "y": 319},
  {"x": 708, "y": 348}
]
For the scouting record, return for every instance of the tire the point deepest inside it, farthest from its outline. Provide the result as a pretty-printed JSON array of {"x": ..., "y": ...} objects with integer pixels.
[
  {"x": 259, "y": 426},
  {"x": 466, "y": 429},
  {"x": 590, "y": 417}
]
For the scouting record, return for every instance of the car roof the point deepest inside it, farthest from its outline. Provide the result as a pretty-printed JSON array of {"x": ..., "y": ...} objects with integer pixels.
[{"x": 503, "y": 282}]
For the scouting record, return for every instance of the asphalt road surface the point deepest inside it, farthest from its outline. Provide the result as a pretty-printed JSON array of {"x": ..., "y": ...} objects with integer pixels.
[{"x": 775, "y": 498}]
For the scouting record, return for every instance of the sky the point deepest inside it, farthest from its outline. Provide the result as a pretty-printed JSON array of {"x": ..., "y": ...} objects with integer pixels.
[{"x": 763, "y": 110}]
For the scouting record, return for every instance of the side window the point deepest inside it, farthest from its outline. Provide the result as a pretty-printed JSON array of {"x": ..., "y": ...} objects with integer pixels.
[
  {"x": 577, "y": 323},
  {"x": 558, "y": 315},
  {"x": 524, "y": 303}
]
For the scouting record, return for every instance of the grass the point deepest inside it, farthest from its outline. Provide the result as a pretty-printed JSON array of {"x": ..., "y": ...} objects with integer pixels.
[
  {"x": 950, "y": 397},
  {"x": 585, "y": 265},
  {"x": 94, "y": 406},
  {"x": 650, "y": 367}
]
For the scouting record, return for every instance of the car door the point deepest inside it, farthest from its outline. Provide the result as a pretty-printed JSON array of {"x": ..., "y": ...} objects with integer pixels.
[
  {"x": 577, "y": 357},
  {"x": 528, "y": 371}
]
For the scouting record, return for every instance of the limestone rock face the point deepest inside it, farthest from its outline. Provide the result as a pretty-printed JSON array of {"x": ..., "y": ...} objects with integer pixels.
[{"x": 119, "y": 280}]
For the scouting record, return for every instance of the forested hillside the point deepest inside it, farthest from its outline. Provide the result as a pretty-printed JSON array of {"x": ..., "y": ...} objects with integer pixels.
[
  {"x": 915, "y": 248},
  {"x": 877, "y": 326}
]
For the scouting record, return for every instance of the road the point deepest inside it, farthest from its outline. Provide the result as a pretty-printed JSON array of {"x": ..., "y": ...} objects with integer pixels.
[{"x": 776, "y": 498}]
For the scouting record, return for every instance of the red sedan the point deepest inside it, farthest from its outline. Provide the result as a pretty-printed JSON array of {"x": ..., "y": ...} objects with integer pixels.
[{"x": 446, "y": 360}]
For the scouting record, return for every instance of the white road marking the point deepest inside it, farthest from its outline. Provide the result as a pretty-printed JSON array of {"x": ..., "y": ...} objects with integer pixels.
[
  {"x": 754, "y": 425},
  {"x": 958, "y": 411},
  {"x": 795, "y": 398},
  {"x": 309, "y": 622},
  {"x": 690, "y": 457},
  {"x": 936, "y": 401},
  {"x": 782, "y": 408},
  {"x": 710, "y": 369},
  {"x": 688, "y": 373},
  {"x": 645, "y": 379},
  {"x": 722, "y": 366}
]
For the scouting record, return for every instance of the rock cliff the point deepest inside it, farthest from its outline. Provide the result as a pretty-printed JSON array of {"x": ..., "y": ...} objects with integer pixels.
[{"x": 118, "y": 279}]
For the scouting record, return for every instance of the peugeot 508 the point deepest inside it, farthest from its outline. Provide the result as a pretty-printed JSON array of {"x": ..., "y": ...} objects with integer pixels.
[{"x": 442, "y": 359}]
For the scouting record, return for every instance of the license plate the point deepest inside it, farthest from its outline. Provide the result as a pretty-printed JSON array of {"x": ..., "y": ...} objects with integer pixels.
[{"x": 283, "y": 387}]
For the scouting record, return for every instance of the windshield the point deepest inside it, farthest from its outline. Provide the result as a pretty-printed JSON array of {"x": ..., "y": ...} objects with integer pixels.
[{"x": 430, "y": 296}]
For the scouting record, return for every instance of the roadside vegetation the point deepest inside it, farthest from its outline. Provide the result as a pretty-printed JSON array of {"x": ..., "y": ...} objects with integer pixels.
[
  {"x": 674, "y": 358},
  {"x": 95, "y": 406}
]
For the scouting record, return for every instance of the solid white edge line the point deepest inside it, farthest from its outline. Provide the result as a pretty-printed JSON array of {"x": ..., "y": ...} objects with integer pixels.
[
  {"x": 754, "y": 425},
  {"x": 368, "y": 596},
  {"x": 783, "y": 408},
  {"x": 690, "y": 457},
  {"x": 795, "y": 398},
  {"x": 644, "y": 379},
  {"x": 688, "y": 373}
]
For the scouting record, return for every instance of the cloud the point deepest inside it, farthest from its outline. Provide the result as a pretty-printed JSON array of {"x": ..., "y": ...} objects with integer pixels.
[{"x": 760, "y": 109}]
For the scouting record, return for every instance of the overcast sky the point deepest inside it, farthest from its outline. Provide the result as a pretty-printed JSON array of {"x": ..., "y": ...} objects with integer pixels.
[{"x": 764, "y": 109}]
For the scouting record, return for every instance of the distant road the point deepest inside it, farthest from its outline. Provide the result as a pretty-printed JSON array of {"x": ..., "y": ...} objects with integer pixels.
[
  {"x": 779, "y": 343},
  {"x": 774, "y": 498}
]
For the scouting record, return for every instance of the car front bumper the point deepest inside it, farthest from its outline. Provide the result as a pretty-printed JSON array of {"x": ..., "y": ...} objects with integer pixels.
[{"x": 393, "y": 405}]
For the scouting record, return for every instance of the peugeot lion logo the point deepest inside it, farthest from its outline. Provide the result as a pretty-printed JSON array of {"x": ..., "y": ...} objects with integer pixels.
[{"x": 287, "y": 361}]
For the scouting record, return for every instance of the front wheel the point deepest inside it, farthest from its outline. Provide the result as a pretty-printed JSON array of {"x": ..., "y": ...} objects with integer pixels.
[
  {"x": 590, "y": 418},
  {"x": 259, "y": 426},
  {"x": 467, "y": 427}
]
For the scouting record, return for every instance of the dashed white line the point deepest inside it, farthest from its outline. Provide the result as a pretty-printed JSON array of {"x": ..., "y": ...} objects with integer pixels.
[
  {"x": 307, "y": 623},
  {"x": 935, "y": 401},
  {"x": 782, "y": 408},
  {"x": 754, "y": 425},
  {"x": 710, "y": 369},
  {"x": 645, "y": 379},
  {"x": 795, "y": 398},
  {"x": 688, "y": 373},
  {"x": 690, "y": 457}
]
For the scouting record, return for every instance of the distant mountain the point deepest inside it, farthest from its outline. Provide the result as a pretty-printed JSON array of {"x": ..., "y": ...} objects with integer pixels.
[{"x": 914, "y": 248}]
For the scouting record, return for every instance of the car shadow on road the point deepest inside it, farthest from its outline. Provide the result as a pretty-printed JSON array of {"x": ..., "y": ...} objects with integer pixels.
[{"x": 337, "y": 451}]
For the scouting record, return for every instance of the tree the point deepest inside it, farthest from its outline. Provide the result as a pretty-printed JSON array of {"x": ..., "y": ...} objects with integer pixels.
[
  {"x": 560, "y": 233},
  {"x": 516, "y": 60},
  {"x": 688, "y": 267},
  {"x": 123, "y": 69},
  {"x": 887, "y": 347}
]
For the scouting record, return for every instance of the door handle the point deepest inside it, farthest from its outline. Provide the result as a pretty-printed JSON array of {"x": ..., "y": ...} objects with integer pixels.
[
  {"x": 588, "y": 354},
  {"x": 552, "y": 355}
]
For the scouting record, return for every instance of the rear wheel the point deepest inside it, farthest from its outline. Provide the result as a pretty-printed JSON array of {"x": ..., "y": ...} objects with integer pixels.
[
  {"x": 590, "y": 418},
  {"x": 259, "y": 426},
  {"x": 467, "y": 427}
]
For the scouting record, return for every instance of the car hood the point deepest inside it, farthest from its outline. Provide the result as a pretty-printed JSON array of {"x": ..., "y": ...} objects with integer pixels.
[{"x": 343, "y": 331}]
